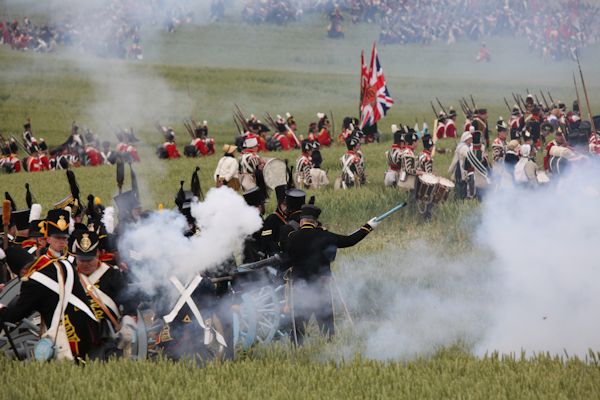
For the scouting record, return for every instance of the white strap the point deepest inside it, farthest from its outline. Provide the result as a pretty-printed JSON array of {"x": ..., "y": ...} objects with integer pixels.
[
  {"x": 98, "y": 274},
  {"x": 185, "y": 296},
  {"x": 103, "y": 297},
  {"x": 52, "y": 285},
  {"x": 32, "y": 249},
  {"x": 196, "y": 311}
]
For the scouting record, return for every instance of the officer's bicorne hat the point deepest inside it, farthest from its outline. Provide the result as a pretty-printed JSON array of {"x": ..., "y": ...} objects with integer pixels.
[
  {"x": 85, "y": 244},
  {"x": 57, "y": 223},
  {"x": 18, "y": 258},
  {"x": 35, "y": 228},
  {"x": 254, "y": 197},
  {"x": 294, "y": 199},
  {"x": 427, "y": 141},
  {"x": 310, "y": 211}
]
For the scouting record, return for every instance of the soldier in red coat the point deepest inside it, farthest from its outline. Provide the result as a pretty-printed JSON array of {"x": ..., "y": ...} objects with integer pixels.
[
  {"x": 440, "y": 129},
  {"x": 450, "y": 129},
  {"x": 323, "y": 126}
]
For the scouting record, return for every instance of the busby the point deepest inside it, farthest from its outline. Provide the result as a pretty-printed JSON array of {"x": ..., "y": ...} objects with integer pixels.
[{"x": 85, "y": 244}]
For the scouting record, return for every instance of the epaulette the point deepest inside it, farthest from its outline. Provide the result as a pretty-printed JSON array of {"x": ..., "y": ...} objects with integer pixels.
[{"x": 39, "y": 264}]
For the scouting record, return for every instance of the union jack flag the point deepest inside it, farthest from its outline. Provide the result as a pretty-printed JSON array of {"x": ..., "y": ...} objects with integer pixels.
[{"x": 375, "y": 97}]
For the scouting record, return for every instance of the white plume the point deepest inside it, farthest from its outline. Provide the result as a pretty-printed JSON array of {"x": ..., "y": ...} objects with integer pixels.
[
  {"x": 394, "y": 128},
  {"x": 35, "y": 212},
  {"x": 108, "y": 219}
]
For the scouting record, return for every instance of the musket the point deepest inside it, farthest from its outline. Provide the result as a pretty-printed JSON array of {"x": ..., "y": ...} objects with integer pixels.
[
  {"x": 332, "y": 123},
  {"x": 21, "y": 145},
  {"x": 551, "y": 99},
  {"x": 537, "y": 101},
  {"x": 159, "y": 128},
  {"x": 441, "y": 106},
  {"x": 237, "y": 126},
  {"x": 435, "y": 113},
  {"x": 189, "y": 129},
  {"x": 270, "y": 121},
  {"x": 587, "y": 99},
  {"x": 473, "y": 101},
  {"x": 517, "y": 102},
  {"x": 507, "y": 105},
  {"x": 241, "y": 117},
  {"x": 544, "y": 98},
  {"x": 577, "y": 92}
]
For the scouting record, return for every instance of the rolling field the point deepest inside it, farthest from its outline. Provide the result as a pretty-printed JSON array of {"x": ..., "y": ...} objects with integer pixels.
[{"x": 203, "y": 71}]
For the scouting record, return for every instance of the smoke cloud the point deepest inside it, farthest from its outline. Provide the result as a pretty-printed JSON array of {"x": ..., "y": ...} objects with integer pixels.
[
  {"x": 155, "y": 248},
  {"x": 528, "y": 286}
]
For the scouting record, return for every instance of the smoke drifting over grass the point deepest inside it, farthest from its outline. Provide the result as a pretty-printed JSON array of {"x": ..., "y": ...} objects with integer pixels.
[{"x": 530, "y": 284}]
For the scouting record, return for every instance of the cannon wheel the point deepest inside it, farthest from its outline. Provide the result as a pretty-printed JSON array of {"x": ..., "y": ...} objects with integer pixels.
[
  {"x": 260, "y": 316},
  {"x": 24, "y": 334}
]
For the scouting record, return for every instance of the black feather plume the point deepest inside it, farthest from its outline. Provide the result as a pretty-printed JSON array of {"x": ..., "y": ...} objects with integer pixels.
[
  {"x": 73, "y": 184},
  {"x": 120, "y": 174},
  {"x": 196, "y": 188},
  {"x": 13, "y": 206},
  {"x": 28, "y": 196},
  {"x": 180, "y": 198}
]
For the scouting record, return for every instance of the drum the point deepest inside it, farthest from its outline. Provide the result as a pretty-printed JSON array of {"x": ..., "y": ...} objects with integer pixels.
[
  {"x": 443, "y": 189},
  {"x": 426, "y": 187},
  {"x": 275, "y": 173}
]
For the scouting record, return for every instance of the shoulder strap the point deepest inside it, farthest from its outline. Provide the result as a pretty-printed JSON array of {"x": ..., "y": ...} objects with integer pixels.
[{"x": 96, "y": 295}]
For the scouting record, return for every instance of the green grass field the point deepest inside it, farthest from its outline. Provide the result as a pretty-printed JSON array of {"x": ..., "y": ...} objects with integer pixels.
[{"x": 203, "y": 71}]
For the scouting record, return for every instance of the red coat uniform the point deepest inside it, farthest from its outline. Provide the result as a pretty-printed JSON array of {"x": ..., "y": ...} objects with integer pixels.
[
  {"x": 467, "y": 125},
  {"x": 171, "y": 149},
  {"x": 127, "y": 148},
  {"x": 34, "y": 164},
  {"x": 450, "y": 128},
  {"x": 93, "y": 155},
  {"x": 200, "y": 146},
  {"x": 45, "y": 161},
  {"x": 283, "y": 140},
  {"x": 440, "y": 131},
  {"x": 262, "y": 144},
  {"x": 324, "y": 137}
]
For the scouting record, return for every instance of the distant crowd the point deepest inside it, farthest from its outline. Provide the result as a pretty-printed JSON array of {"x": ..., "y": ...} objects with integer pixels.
[
  {"x": 110, "y": 30},
  {"x": 554, "y": 30}
]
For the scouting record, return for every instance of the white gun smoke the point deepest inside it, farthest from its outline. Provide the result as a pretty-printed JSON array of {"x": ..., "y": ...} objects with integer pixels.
[
  {"x": 530, "y": 287},
  {"x": 155, "y": 248}
]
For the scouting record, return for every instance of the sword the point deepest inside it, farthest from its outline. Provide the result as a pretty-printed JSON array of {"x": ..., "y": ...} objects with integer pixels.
[{"x": 389, "y": 212}]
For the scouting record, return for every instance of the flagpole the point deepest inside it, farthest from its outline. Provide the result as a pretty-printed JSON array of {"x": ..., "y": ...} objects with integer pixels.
[{"x": 362, "y": 67}]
